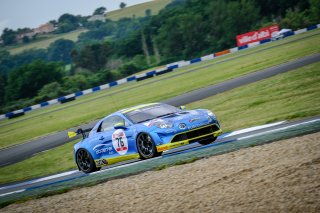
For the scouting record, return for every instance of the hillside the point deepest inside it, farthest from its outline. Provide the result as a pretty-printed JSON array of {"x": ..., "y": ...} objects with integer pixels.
[
  {"x": 135, "y": 10},
  {"x": 138, "y": 10},
  {"x": 45, "y": 41}
]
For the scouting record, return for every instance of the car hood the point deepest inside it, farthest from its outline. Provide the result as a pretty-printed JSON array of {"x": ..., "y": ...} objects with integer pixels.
[{"x": 190, "y": 119}]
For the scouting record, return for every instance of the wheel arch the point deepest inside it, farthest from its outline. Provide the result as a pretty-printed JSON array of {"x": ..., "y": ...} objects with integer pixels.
[{"x": 90, "y": 153}]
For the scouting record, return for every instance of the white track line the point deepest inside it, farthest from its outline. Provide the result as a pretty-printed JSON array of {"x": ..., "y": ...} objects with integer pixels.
[
  {"x": 274, "y": 130},
  {"x": 53, "y": 176},
  {"x": 251, "y": 129},
  {"x": 9, "y": 193},
  {"x": 39, "y": 180}
]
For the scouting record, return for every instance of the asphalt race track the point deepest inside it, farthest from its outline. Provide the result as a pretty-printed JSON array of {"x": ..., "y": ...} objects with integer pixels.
[
  {"x": 233, "y": 137},
  {"x": 243, "y": 80},
  {"x": 21, "y": 152}
]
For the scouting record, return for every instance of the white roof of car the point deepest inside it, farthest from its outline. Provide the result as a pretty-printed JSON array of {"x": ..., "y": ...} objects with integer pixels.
[{"x": 284, "y": 31}]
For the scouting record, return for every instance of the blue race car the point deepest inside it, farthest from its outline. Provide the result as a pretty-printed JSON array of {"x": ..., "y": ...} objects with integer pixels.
[{"x": 143, "y": 131}]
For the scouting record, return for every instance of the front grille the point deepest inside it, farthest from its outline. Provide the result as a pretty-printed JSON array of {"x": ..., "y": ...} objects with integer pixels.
[{"x": 196, "y": 133}]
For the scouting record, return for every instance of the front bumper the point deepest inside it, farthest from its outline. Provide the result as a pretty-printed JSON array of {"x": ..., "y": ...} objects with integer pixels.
[{"x": 190, "y": 137}]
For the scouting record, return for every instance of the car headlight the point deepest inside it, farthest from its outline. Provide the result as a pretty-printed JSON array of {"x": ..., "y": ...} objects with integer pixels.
[
  {"x": 163, "y": 124},
  {"x": 211, "y": 113}
]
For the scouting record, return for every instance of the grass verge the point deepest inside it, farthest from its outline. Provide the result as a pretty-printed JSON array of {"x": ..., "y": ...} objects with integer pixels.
[
  {"x": 45, "y": 163},
  {"x": 98, "y": 105},
  {"x": 287, "y": 96},
  {"x": 290, "y": 95},
  {"x": 138, "y": 10}
]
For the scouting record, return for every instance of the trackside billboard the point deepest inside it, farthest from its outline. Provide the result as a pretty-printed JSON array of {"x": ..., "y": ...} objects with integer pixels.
[{"x": 258, "y": 35}]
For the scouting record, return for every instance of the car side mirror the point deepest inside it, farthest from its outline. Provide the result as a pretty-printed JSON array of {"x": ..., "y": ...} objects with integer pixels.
[
  {"x": 120, "y": 125},
  {"x": 183, "y": 108}
]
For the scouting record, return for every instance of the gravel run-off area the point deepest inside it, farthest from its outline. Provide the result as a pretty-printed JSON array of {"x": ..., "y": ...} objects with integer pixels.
[{"x": 283, "y": 176}]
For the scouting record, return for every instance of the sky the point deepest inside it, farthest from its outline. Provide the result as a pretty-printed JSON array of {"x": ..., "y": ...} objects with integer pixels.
[{"x": 16, "y": 14}]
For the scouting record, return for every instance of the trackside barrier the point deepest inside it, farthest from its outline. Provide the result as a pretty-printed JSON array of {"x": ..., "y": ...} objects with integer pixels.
[
  {"x": 223, "y": 52},
  {"x": 16, "y": 115},
  {"x": 164, "y": 71},
  {"x": 143, "y": 76},
  {"x": 66, "y": 100}
]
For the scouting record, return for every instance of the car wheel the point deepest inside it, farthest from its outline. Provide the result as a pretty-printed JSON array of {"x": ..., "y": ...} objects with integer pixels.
[
  {"x": 85, "y": 161},
  {"x": 207, "y": 141},
  {"x": 146, "y": 146}
]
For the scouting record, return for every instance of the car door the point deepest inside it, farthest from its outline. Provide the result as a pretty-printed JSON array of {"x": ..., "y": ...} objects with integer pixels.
[{"x": 109, "y": 142}]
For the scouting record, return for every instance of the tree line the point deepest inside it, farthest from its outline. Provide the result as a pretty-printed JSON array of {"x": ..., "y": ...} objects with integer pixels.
[{"x": 110, "y": 50}]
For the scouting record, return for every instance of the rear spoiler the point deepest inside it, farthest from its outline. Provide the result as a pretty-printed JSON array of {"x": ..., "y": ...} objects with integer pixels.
[{"x": 78, "y": 132}]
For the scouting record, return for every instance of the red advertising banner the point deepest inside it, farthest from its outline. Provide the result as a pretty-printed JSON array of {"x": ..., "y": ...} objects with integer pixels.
[{"x": 258, "y": 35}]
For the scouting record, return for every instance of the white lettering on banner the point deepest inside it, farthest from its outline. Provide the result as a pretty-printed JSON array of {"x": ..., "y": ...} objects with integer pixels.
[
  {"x": 263, "y": 34},
  {"x": 257, "y": 35},
  {"x": 254, "y": 37}
]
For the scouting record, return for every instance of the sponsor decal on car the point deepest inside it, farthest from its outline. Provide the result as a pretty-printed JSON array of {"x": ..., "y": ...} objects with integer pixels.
[
  {"x": 101, "y": 162},
  {"x": 182, "y": 126},
  {"x": 120, "y": 142},
  {"x": 105, "y": 148}
]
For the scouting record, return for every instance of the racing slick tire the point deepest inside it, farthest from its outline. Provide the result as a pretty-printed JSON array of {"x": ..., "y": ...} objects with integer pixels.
[
  {"x": 146, "y": 146},
  {"x": 85, "y": 161}
]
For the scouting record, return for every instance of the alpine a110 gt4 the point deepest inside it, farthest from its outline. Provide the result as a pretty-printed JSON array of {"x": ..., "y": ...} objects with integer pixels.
[{"x": 143, "y": 131}]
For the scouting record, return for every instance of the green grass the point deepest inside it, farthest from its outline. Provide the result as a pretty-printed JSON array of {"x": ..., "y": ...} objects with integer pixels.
[
  {"x": 81, "y": 112},
  {"x": 138, "y": 10},
  {"x": 290, "y": 95},
  {"x": 287, "y": 96},
  {"x": 45, "y": 41}
]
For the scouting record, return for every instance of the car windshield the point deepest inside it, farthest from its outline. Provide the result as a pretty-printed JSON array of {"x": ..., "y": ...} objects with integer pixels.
[{"x": 151, "y": 112}]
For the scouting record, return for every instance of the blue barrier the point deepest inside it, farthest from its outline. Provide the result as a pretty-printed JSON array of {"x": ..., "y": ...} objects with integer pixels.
[
  {"x": 131, "y": 78},
  {"x": 61, "y": 99},
  {"x": 312, "y": 27},
  {"x": 243, "y": 47},
  {"x": 265, "y": 41},
  {"x": 152, "y": 73},
  {"x": 77, "y": 94},
  {"x": 287, "y": 34},
  {"x": 27, "y": 109},
  {"x": 195, "y": 60},
  {"x": 173, "y": 67},
  {"x": 96, "y": 89},
  {"x": 43, "y": 104},
  {"x": 112, "y": 84},
  {"x": 9, "y": 114}
]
